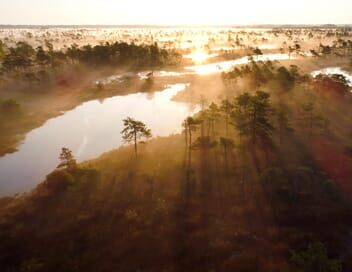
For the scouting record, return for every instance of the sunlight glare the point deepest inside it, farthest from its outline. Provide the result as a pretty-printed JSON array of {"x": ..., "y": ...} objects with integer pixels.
[{"x": 199, "y": 56}]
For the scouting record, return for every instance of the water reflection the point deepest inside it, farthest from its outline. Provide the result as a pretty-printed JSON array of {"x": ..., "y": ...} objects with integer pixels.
[
  {"x": 332, "y": 71},
  {"x": 227, "y": 65},
  {"x": 89, "y": 130},
  {"x": 204, "y": 69}
]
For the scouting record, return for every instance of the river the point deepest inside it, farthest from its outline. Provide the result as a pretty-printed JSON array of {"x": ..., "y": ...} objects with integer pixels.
[
  {"x": 89, "y": 130},
  {"x": 94, "y": 127}
]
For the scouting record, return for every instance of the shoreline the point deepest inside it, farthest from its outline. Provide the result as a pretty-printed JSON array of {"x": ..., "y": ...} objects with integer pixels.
[{"x": 68, "y": 101}]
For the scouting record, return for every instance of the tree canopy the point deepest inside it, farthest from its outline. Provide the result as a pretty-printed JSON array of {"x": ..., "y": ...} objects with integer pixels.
[{"x": 134, "y": 130}]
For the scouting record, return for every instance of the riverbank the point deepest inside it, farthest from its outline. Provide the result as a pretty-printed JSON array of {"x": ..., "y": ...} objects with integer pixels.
[
  {"x": 41, "y": 106},
  {"x": 219, "y": 202},
  {"x": 144, "y": 212}
]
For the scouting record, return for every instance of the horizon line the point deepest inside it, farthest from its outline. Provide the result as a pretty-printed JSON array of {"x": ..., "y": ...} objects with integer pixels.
[{"x": 176, "y": 25}]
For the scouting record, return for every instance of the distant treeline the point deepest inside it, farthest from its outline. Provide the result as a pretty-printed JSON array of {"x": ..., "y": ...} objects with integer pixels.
[{"x": 23, "y": 56}]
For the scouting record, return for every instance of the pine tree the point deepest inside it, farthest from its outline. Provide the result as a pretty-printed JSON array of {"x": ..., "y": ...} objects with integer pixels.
[
  {"x": 133, "y": 131},
  {"x": 252, "y": 117}
]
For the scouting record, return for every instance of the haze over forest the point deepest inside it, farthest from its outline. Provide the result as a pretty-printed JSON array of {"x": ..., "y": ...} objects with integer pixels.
[{"x": 175, "y": 136}]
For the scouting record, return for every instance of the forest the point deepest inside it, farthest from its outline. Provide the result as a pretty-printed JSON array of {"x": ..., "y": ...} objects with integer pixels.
[{"x": 256, "y": 177}]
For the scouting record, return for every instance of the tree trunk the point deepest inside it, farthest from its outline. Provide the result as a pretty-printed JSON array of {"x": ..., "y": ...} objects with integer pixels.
[
  {"x": 254, "y": 132},
  {"x": 202, "y": 129},
  {"x": 226, "y": 159},
  {"x": 135, "y": 144},
  {"x": 227, "y": 125},
  {"x": 190, "y": 146}
]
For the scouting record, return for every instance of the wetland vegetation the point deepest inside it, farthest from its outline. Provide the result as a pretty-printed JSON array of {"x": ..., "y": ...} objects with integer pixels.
[{"x": 176, "y": 149}]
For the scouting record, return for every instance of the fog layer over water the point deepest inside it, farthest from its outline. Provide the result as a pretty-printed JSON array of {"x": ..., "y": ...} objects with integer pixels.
[
  {"x": 94, "y": 127},
  {"x": 219, "y": 67}
]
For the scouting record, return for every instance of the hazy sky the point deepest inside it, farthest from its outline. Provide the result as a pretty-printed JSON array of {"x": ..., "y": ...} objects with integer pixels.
[{"x": 175, "y": 12}]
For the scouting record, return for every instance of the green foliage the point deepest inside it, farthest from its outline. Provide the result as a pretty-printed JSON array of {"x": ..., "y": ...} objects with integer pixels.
[
  {"x": 118, "y": 54},
  {"x": 58, "y": 181},
  {"x": 335, "y": 84},
  {"x": 210, "y": 116},
  {"x": 19, "y": 57},
  {"x": 227, "y": 143},
  {"x": 314, "y": 53},
  {"x": 204, "y": 142},
  {"x": 134, "y": 130},
  {"x": 153, "y": 214},
  {"x": 325, "y": 49},
  {"x": 140, "y": 56},
  {"x": 257, "y": 51},
  {"x": 190, "y": 125},
  {"x": 67, "y": 159},
  {"x": 297, "y": 48},
  {"x": 311, "y": 120},
  {"x": 42, "y": 57},
  {"x": 260, "y": 73},
  {"x": 252, "y": 116},
  {"x": 285, "y": 78},
  {"x": 315, "y": 259},
  {"x": 2, "y": 51},
  {"x": 283, "y": 123},
  {"x": 226, "y": 108},
  {"x": 303, "y": 198}
]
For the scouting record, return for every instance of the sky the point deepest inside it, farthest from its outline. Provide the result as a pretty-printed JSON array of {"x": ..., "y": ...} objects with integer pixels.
[{"x": 177, "y": 12}]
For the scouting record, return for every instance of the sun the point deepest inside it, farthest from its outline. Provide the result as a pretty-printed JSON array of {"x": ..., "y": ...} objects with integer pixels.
[{"x": 198, "y": 56}]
